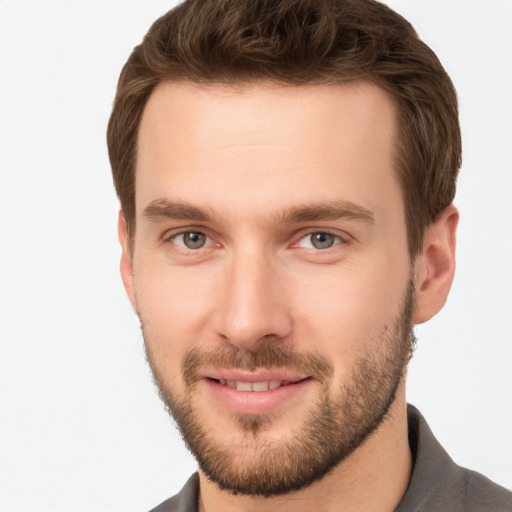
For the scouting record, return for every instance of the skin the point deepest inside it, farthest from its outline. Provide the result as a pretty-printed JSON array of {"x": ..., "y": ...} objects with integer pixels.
[{"x": 262, "y": 151}]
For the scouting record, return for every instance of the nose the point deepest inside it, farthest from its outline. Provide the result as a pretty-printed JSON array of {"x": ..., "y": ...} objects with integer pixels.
[{"x": 253, "y": 304}]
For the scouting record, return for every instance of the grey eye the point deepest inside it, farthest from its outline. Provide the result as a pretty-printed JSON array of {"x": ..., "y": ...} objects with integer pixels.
[
  {"x": 191, "y": 239},
  {"x": 322, "y": 240}
]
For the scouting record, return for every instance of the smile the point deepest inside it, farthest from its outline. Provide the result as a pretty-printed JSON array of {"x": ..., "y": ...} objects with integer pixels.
[
  {"x": 254, "y": 386},
  {"x": 270, "y": 390}
]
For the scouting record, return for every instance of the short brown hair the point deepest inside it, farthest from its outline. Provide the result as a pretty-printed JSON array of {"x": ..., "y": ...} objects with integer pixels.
[{"x": 301, "y": 42}]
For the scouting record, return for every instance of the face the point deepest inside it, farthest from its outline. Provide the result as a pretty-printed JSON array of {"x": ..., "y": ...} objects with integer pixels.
[{"x": 271, "y": 274}]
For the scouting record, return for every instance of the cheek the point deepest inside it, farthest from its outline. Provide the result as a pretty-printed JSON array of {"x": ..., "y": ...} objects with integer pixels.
[
  {"x": 346, "y": 309},
  {"x": 175, "y": 306}
]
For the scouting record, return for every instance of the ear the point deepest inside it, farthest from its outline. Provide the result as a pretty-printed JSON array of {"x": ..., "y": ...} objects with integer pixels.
[
  {"x": 126, "y": 258},
  {"x": 435, "y": 266}
]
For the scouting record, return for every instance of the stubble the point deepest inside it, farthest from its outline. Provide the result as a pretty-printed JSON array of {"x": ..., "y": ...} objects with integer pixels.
[{"x": 334, "y": 427}]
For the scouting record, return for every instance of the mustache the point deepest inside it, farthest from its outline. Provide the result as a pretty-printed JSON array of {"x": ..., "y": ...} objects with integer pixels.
[{"x": 270, "y": 356}]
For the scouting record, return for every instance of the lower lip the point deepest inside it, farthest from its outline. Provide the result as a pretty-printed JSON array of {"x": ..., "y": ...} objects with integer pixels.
[{"x": 256, "y": 402}]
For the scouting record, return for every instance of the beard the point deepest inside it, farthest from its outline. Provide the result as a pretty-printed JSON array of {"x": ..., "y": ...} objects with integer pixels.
[{"x": 336, "y": 425}]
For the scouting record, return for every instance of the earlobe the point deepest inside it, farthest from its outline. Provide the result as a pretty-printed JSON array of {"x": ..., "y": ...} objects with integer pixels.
[
  {"x": 435, "y": 266},
  {"x": 126, "y": 264}
]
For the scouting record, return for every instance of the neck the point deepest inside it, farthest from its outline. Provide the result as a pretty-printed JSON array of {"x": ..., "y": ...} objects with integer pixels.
[{"x": 373, "y": 478}]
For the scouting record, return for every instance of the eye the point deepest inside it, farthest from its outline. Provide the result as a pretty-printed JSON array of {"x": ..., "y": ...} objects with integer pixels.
[
  {"x": 319, "y": 240},
  {"x": 190, "y": 240}
]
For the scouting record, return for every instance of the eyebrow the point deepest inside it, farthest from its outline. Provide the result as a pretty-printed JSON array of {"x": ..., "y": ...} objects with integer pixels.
[
  {"x": 165, "y": 209},
  {"x": 327, "y": 210}
]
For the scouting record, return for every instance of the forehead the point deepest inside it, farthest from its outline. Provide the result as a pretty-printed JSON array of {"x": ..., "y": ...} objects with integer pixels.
[{"x": 265, "y": 144}]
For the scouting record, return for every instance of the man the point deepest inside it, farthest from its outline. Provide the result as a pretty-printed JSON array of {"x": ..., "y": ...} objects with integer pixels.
[{"x": 286, "y": 171}]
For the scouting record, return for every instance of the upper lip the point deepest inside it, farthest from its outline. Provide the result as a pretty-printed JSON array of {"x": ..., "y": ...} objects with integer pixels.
[{"x": 259, "y": 375}]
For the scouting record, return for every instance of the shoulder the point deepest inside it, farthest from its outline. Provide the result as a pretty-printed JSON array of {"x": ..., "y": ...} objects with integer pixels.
[
  {"x": 481, "y": 494},
  {"x": 437, "y": 484},
  {"x": 185, "y": 500}
]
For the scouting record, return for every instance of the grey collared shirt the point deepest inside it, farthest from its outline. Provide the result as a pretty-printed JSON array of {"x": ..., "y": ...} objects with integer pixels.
[{"x": 437, "y": 484}]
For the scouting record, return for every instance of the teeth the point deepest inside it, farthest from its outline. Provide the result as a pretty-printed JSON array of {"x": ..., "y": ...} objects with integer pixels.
[
  {"x": 260, "y": 386},
  {"x": 252, "y": 386},
  {"x": 243, "y": 386}
]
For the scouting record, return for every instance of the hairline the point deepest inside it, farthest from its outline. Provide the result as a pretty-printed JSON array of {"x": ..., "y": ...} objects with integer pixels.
[{"x": 240, "y": 85}]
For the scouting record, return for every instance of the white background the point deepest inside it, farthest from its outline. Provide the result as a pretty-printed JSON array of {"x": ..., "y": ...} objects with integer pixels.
[{"x": 81, "y": 426}]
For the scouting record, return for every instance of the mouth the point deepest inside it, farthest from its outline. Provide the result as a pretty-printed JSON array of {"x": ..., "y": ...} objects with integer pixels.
[
  {"x": 257, "y": 392},
  {"x": 265, "y": 385}
]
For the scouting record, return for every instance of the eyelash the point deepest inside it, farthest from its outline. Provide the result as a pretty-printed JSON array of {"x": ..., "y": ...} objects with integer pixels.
[
  {"x": 339, "y": 239},
  {"x": 172, "y": 239}
]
